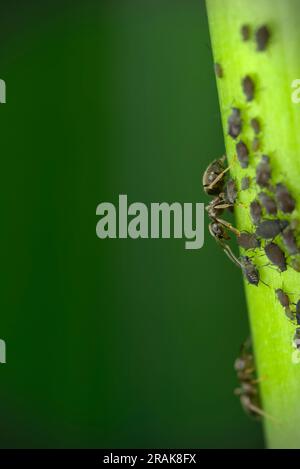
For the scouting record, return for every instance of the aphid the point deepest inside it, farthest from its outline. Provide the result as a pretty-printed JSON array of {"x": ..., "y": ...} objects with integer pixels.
[
  {"x": 276, "y": 256},
  {"x": 248, "y": 241},
  {"x": 262, "y": 36},
  {"x": 255, "y": 144},
  {"x": 285, "y": 201},
  {"x": 269, "y": 229},
  {"x": 234, "y": 123},
  {"x": 296, "y": 339},
  {"x": 263, "y": 172},
  {"x": 298, "y": 312},
  {"x": 248, "y": 88},
  {"x": 214, "y": 177},
  {"x": 231, "y": 191},
  {"x": 268, "y": 203},
  {"x": 290, "y": 242},
  {"x": 219, "y": 70},
  {"x": 249, "y": 270},
  {"x": 245, "y": 32},
  {"x": 245, "y": 183},
  {"x": 285, "y": 303},
  {"x": 242, "y": 154},
  {"x": 282, "y": 298},
  {"x": 255, "y": 125},
  {"x": 295, "y": 264},
  {"x": 255, "y": 211}
]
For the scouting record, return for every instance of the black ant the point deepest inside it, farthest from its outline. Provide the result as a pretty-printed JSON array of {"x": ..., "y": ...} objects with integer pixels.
[{"x": 248, "y": 390}]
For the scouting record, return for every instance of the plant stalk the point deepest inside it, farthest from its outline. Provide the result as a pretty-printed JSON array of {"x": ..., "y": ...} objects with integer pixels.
[{"x": 273, "y": 72}]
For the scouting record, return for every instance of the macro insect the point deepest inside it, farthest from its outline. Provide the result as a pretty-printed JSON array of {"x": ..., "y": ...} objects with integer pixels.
[
  {"x": 285, "y": 201},
  {"x": 284, "y": 300},
  {"x": 262, "y": 37},
  {"x": 275, "y": 254},
  {"x": 242, "y": 154},
  {"x": 248, "y": 88},
  {"x": 289, "y": 241},
  {"x": 249, "y": 270},
  {"x": 219, "y": 70},
  {"x": 245, "y": 183},
  {"x": 296, "y": 339},
  {"x": 215, "y": 209},
  {"x": 298, "y": 312},
  {"x": 255, "y": 125},
  {"x": 248, "y": 390},
  {"x": 234, "y": 123},
  {"x": 268, "y": 203},
  {"x": 231, "y": 191},
  {"x": 269, "y": 229},
  {"x": 263, "y": 172},
  {"x": 248, "y": 241},
  {"x": 214, "y": 177},
  {"x": 255, "y": 211},
  {"x": 245, "y": 32},
  {"x": 295, "y": 264}
]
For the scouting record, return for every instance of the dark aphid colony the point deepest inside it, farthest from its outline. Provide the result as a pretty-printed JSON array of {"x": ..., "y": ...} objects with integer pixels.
[
  {"x": 242, "y": 154},
  {"x": 269, "y": 229},
  {"x": 255, "y": 125},
  {"x": 263, "y": 172},
  {"x": 248, "y": 241},
  {"x": 255, "y": 211},
  {"x": 219, "y": 70},
  {"x": 245, "y": 32},
  {"x": 270, "y": 235},
  {"x": 268, "y": 203},
  {"x": 248, "y": 88},
  {"x": 275, "y": 254},
  {"x": 285, "y": 201},
  {"x": 262, "y": 37},
  {"x": 245, "y": 183},
  {"x": 234, "y": 123}
]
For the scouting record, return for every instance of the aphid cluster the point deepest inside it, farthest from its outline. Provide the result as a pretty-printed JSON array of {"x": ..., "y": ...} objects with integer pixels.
[{"x": 274, "y": 232}]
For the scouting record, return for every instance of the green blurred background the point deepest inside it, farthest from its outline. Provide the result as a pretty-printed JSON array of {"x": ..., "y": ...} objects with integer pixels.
[{"x": 112, "y": 343}]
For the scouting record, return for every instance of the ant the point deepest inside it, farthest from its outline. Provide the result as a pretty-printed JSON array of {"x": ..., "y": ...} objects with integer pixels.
[
  {"x": 248, "y": 390},
  {"x": 214, "y": 179}
]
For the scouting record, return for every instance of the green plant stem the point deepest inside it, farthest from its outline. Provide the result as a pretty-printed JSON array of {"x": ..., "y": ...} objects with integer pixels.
[{"x": 273, "y": 72}]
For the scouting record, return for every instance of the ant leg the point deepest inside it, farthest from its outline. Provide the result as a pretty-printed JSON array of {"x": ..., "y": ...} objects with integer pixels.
[
  {"x": 260, "y": 412},
  {"x": 218, "y": 178},
  {"x": 231, "y": 256},
  {"x": 229, "y": 226}
]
